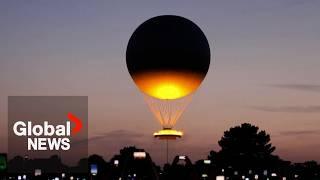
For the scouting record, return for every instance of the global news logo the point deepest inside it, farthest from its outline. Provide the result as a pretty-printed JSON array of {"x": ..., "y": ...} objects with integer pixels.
[{"x": 46, "y": 136}]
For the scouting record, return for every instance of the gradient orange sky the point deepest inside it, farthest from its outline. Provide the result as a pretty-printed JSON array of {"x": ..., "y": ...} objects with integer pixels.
[{"x": 264, "y": 70}]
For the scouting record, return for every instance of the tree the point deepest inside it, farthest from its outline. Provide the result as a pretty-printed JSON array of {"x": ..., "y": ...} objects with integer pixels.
[
  {"x": 244, "y": 147},
  {"x": 137, "y": 167}
]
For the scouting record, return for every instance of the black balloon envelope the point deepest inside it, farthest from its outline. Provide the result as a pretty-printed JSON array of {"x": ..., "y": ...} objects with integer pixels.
[{"x": 168, "y": 57}]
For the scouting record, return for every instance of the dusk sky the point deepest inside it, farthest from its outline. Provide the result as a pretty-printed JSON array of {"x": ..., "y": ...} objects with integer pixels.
[{"x": 264, "y": 70}]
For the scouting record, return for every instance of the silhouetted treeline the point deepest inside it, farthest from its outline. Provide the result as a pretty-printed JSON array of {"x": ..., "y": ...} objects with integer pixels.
[{"x": 246, "y": 152}]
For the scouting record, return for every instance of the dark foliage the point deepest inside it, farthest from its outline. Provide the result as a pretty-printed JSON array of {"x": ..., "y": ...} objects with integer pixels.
[{"x": 245, "y": 147}]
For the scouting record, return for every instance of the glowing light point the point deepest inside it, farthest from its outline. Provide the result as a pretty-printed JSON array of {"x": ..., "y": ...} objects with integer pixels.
[{"x": 168, "y": 134}]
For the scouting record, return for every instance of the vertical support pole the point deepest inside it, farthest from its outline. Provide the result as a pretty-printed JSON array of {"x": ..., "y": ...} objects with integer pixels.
[{"x": 167, "y": 151}]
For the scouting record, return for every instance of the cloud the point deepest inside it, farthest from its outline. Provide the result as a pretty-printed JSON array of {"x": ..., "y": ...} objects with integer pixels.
[
  {"x": 117, "y": 134},
  {"x": 275, "y": 6},
  {"x": 290, "y": 109},
  {"x": 112, "y": 135},
  {"x": 299, "y": 132},
  {"x": 122, "y": 133},
  {"x": 301, "y": 87}
]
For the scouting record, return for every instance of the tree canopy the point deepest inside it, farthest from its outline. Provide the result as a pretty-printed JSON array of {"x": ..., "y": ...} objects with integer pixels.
[{"x": 245, "y": 146}]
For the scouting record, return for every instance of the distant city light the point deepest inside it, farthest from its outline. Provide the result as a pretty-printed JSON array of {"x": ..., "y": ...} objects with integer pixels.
[
  {"x": 204, "y": 175},
  {"x": 207, "y": 161},
  {"x": 182, "y": 157},
  {"x": 37, "y": 172},
  {"x": 273, "y": 174},
  {"x": 139, "y": 155},
  {"x": 93, "y": 169},
  {"x": 220, "y": 178}
]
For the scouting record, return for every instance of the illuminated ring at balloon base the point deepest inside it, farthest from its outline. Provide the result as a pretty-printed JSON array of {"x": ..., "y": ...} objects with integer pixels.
[{"x": 168, "y": 134}]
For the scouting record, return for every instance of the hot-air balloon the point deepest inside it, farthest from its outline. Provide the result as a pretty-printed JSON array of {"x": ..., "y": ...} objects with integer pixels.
[{"x": 168, "y": 57}]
